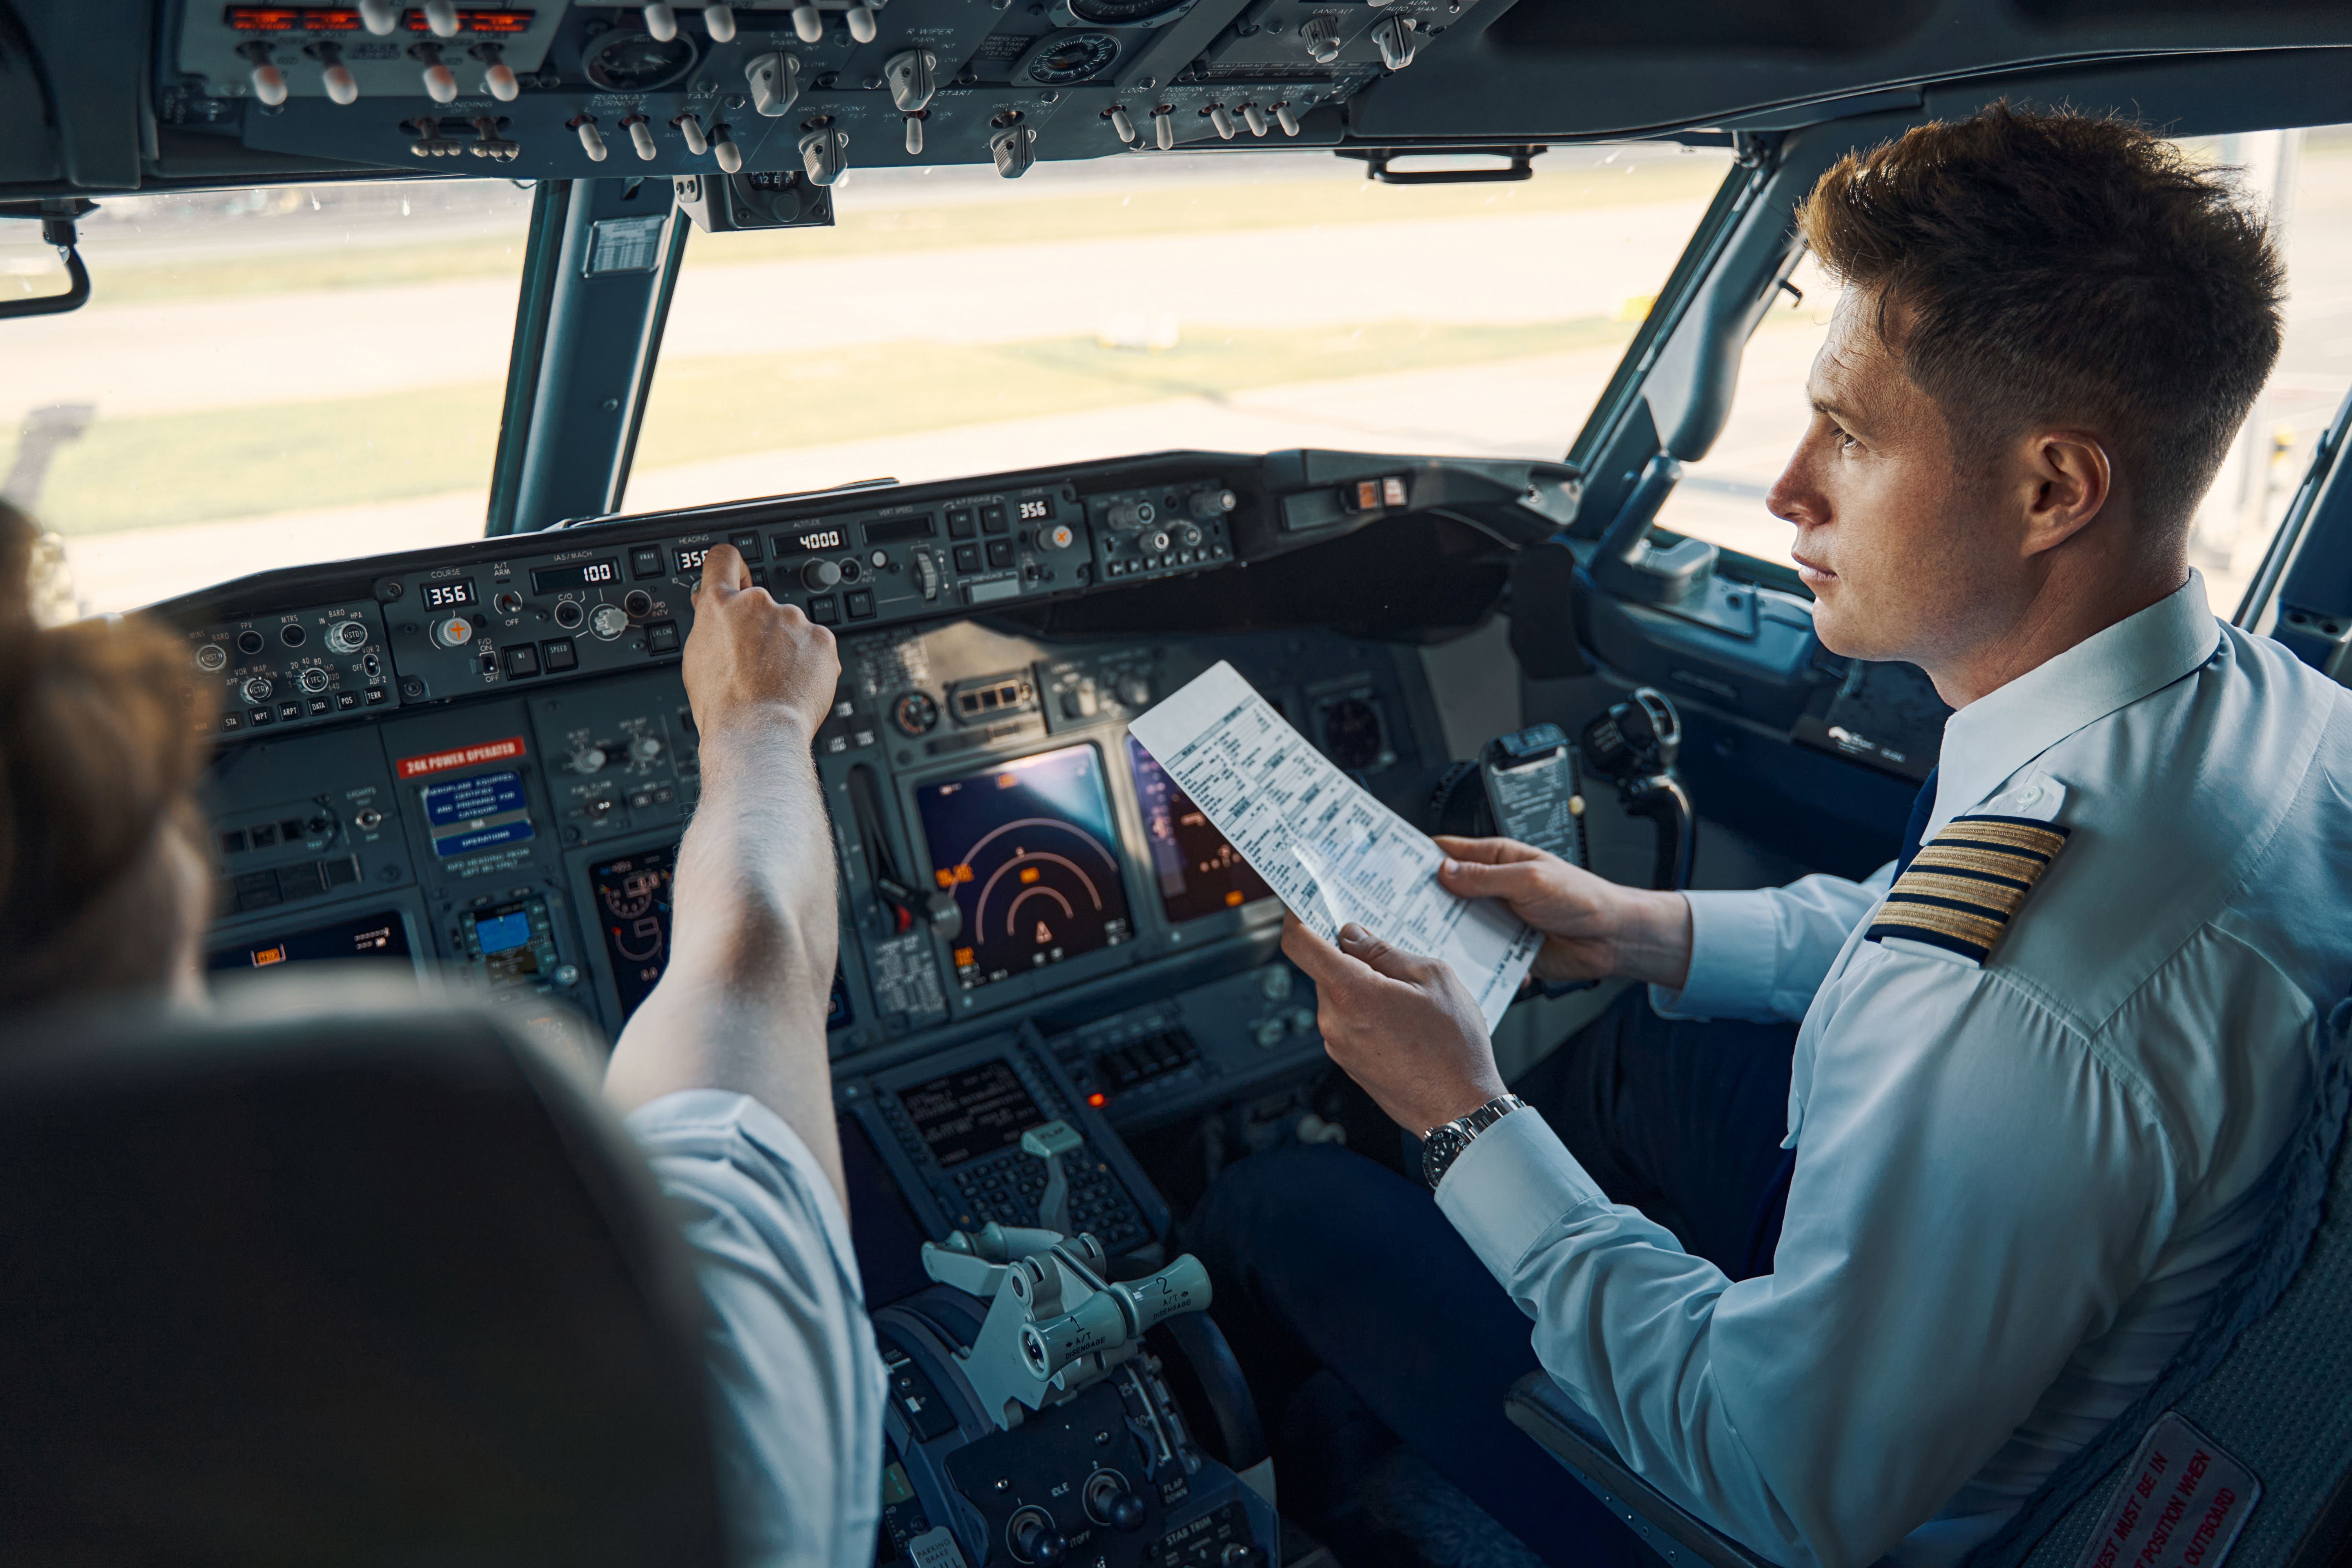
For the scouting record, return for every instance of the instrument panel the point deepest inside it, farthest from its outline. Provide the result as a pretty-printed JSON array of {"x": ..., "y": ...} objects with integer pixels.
[{"x": 488, "y": 762}]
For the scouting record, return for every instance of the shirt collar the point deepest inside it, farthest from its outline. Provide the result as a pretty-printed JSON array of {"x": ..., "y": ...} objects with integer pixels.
[{"x": 2003, "y": 731}]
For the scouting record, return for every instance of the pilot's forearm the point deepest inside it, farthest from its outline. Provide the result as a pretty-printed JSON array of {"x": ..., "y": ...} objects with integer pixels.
[{"x": 741, "y": 1006}]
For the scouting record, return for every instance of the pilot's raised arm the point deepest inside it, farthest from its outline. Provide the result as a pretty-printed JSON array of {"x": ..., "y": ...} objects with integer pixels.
[
  {"x": 723, "y": 1073},
  {"x": 2048, "y": 1058}
]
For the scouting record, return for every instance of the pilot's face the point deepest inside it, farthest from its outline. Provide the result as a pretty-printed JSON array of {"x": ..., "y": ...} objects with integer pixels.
[{"x": 1895, "y": 542}]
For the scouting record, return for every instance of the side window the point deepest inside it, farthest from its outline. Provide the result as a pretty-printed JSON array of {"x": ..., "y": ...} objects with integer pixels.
[{"x": 2303, "y": 177}]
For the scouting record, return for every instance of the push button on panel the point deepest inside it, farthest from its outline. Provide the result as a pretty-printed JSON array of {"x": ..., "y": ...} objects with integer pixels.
[
  {"x": 860, "y": 604},
  {"x": 824, "y": 610},
  {"x": 645, "y": 562},
  {"x": 662, "y": 637},
  {"x": 960, "y": 522},
  {"x": 967, "y": 557},
  {"x": 521, "y": 661},
  {"x": 994, "y": 520},
  {"x": 1000, "y": 553},
  {"x": 558, "y": 655}
]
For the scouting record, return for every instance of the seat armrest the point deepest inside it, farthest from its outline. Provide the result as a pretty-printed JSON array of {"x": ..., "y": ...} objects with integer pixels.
[{"x": 1537, "y": 1408}]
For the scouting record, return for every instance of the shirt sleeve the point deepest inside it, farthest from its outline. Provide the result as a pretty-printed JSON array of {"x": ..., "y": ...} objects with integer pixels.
[
  {"x": 1761, "y": 955},
  {"x": 797, "y": 1386},
  {"x": 1974, "y": 1196}
]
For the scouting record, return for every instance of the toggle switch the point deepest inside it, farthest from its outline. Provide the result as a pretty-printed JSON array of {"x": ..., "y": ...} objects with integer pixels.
[
  {"x": 430, "y": 142},
  {"x": 268, "y": 81},
  {"x": 825, "y": 154},
  {"x": 1121, "y": 124},
  {"x": 1255, "y": 118},
  {"x": 1014, "y": 148},
  {"x": 440, "y": 81},
  {"x": 500, "y": 78},
  {"x": 808, "y": 22},
  {"x": 591, "y": 140},
  {"x": 1396, "y": 40},
  {"x": 341, "y": 86},
  {"x": 381, "y": 17},
  {"x": 775, "y": 81},
  {"x": 914, "y": 135},
  {"x": 489, "y": 143},
  {"x": 1164, "y": 127},
  {"x": 1221, "y": 123},
  {"x": 913, "y": 76},
  {"x": 723, "y": 148},
  {"x": 720, "y": 21},
  {"x": 661, "y": 22},
  {"x": 1320, "y": 37},
  {"x": 441, "y": 17},
  {"x": 641, "y": 137},
  {"x": 690, "y": 129},
  {"x": 1287, "y": 120},
  {"x": 861, "y": 23}
]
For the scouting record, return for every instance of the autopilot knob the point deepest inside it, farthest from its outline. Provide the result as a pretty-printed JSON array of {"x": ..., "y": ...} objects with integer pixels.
[
  {"x": 1135, "y": 691},
  {"x": 347, "y": 636},
  {"x": 644, "y": 749},
  {"x": 1211, "y": 504},
  {"x": 819, "y": 576},
  {"x": 258, "y": 688},
  {"x": 455, "y": 631},
  {"x": 825, "y": 154},
  {"x": 588, "y": 760},
  {"x": 1320, "y": 37}
]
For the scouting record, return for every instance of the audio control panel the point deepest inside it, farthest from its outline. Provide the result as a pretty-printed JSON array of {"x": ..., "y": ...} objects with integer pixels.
[{"x": 295, "y": 667}]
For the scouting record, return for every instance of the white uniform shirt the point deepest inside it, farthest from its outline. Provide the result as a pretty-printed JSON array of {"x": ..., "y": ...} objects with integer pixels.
[
  {"x": 795, "y": 1386},
  {"x": 2016, "y": 1185}
]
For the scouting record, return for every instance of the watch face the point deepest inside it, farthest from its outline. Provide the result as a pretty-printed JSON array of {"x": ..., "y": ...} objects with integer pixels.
[{"x": 1445, "y": 1143}]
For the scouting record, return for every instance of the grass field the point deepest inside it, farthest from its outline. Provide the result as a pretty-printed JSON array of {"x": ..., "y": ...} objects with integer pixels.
[
  {"x": 1148, "y": 209},
  {"x": 242, "y": 462}
]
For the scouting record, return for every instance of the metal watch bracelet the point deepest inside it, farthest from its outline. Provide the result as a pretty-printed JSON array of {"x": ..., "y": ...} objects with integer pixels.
[{"x": 1443, "y": 1144}]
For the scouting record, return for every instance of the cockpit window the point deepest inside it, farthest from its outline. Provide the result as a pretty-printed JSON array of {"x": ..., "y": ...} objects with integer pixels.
[
  {"x": 262, "y": 378},
  {"x": 2304, "y": 177},
  {"x": 953, "y": 323}
]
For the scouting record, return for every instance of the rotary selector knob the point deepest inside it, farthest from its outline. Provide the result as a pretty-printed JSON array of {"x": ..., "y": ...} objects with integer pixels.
[
  {"x": 916, "y": 713},
  {"x": 588, "y": 760},
  {"x": 1156, "y": 542},
  {"x": 1134, "y": 690},
  {"x": 819, "y": 576},
  {"x": 644, "y": 749},
  {"x": 609, "y": 621},
  {"x": 347, "y": 636},
  {"x": 636, "y": 603},
  {"x": 455, "y": 632},
  {"x": 313, "y": 680},
  {"x": 258, "y": 688},
  {"x": 1061, "y": 536},
  {"x": 1211, "y": 504},
  {"x": 927, "y": 575},
  {"x": 1131, "y": 514},
  {"x": 211, "y": 657},
  {"x": 1320, "y": 37}
]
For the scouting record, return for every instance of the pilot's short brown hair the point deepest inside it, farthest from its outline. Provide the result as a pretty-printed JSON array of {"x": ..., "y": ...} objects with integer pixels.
[{"x": 2055, "y": 268}]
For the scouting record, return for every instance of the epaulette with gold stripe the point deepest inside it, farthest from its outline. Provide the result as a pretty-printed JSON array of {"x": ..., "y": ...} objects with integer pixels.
[{"x": 1965, "y": 883}]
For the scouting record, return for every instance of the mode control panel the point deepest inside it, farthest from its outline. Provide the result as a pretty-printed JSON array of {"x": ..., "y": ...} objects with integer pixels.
[
  {"x": 292, "y": 668},
  {"x": 1163, "y": 531}
]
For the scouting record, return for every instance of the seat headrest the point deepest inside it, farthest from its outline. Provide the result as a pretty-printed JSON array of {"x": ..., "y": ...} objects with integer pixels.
[{"x": 330, "y": 1278}]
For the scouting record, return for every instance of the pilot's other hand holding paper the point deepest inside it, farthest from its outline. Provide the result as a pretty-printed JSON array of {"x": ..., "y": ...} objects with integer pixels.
[
  {"x": 1404, "y": 1026},
  {"x": 1593, "y": 928}
]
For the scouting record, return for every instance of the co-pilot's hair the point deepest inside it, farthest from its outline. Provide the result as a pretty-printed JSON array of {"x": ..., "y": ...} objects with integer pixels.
[
  {"x": 100, "y": 752},
  {"x": 2052, "y": 268}
]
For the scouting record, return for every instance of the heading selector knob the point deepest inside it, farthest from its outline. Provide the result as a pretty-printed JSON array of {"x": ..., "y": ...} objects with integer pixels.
[
  {"x": 819, "y": 576},
  {"x": 258, "y": 688}
]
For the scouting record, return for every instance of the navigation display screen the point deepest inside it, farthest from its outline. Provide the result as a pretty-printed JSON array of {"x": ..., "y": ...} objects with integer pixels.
[
  {"x": 970, "y": 1113},
  {"x": 633, "y": 910},
  {"x": 1199, "y": 873},
  {"x": 380, "y": 935},
  {"x": 1025, "y": 849}
]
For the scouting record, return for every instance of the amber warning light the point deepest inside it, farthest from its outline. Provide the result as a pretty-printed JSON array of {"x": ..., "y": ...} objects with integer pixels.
[
  {"x": 344, "y": 19},
  {"x": 1098, "y": 1099}
]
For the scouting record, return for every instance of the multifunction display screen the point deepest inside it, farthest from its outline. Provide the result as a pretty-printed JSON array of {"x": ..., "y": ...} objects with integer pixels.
[
  {"x": 1198, "y": 871},
  {"x": 446, "y": 595},
  {"x": 511, "y": 943},
  {"x": 1025, "y": 851},
  {"x": 579, "y": 574},
  {"x": 383, "y": 934},
  {"x": 966, "y": 1114},
  {"x": 633, "y": 908}
]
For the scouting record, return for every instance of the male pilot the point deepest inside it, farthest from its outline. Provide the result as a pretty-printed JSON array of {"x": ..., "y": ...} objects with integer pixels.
[{"x": 2047, "y": 1057}]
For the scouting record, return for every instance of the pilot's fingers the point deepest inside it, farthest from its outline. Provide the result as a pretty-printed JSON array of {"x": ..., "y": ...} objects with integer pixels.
[
  {"x": 1323, "y": 964},
  {"x": 1517, "y": 881},
  {"x": 1488, "y": 851},
  {"x": 1381, "y": 957},
  {"x": 724, "y": 568}
]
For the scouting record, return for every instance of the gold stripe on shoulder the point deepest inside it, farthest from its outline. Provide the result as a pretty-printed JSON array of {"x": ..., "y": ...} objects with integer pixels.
[{"x": 1965, "y": 885}]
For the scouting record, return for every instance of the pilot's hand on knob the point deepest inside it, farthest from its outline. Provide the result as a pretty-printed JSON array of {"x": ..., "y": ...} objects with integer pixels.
[
  {"x": 1404, "y": 1026},
  {"x": 1593, "y": 927},
  {"x": 750, "y": 661}
]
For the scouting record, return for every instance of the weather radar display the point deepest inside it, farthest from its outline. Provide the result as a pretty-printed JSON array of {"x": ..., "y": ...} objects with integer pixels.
[{"x": 1025, "y": 849}]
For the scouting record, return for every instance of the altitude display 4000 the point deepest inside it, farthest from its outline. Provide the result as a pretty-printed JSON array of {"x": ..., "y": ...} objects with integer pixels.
[{"x": 1025, "y": 851}]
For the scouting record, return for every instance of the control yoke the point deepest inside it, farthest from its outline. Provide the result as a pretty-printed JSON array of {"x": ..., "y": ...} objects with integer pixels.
[
  {"x": 1056, "y": 1326},
  {"x": 1633, "y": 746}
]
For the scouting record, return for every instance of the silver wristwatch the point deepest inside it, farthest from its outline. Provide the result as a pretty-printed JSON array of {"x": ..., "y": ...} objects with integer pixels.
[{"x": 1443, "y": 1144}]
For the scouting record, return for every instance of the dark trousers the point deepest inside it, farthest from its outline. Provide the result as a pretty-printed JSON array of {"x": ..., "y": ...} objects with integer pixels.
[{"x": 1323, "y": 1259}]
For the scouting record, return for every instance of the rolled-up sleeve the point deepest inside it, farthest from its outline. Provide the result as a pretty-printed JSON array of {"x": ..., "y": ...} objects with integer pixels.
[
  {"x": 797, "y": 1386},
  {"x": 1763, "y": 954}
]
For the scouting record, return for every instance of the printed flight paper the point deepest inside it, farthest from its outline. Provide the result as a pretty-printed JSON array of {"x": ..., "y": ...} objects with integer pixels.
[{"x": 1333, "y": 852}]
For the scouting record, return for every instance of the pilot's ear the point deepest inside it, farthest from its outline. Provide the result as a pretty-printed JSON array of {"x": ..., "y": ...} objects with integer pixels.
[{"x": 2069, "y": 482}]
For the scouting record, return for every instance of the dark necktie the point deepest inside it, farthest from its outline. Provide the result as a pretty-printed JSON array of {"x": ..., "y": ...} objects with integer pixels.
[{"x": 1921, "y": 810}]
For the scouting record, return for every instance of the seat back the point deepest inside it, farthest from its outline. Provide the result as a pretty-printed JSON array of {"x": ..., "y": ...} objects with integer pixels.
[
  {"x": 2266, "y": 1383},
  {"x": 348, "y": 1282}
]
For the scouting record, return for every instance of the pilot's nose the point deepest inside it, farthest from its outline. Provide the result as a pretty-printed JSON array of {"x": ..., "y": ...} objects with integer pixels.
[{"x": 1793, "y": 497}]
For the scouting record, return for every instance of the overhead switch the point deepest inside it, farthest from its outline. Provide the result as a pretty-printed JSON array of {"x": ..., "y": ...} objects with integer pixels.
[
  {"x": 1287, "y": 120},
  {"x": 825, "y": 154},
  {"x": 1014, "y": 148},
  {"x": 775, "y": 81},
  {"x": 723, "y": 148},
  {"x": 641, "y": 137},
  {"x": 913, "y": 76},
  {"x": 500, "y": 78},
  {"x": 1320, "y": 37},
  {"x": 1163, "y": 128},
  {"x": 441, "y": 17},
  {"x": 720, "y": 21},
  {"x": 341, "y": 86},
  {"x": 1122, "y": 124},
  {"x": 914, "y": 135},
  {"x": 1397, "y": 41},
  {"x": 861, "y": 23},
  {"x": 1255, "y": 118},
  {"x": 690, "y": 130},
  {"x": 1221, "y": 123},
  {"x": 591, "y": 140},
  {"x": 440, "y": 81},
  {"x": 268, "y": 81},
  {"x": 661, "y": 22},
  {"x": 808, "y": 22},
  {"x": 380, "y": 16}
]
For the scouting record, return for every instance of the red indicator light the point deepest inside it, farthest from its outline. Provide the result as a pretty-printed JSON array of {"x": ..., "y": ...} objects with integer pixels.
[
  {"x": 475, "y": 21},
  {"x": 263, "y": 19},
  {"x": 331, "y": 21},
  {"x": 1098, "y": 1099}
]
